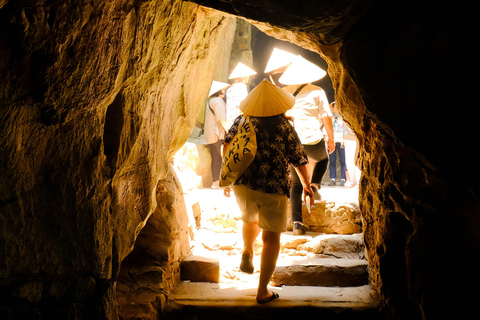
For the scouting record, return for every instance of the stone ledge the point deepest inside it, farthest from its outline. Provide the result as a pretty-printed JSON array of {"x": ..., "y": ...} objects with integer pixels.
[
  {"x": 217, "y": 294},
  {"x": 200, "y": 269},
  {"x": 326, "y": 272},
  {"x": 333, "y": 245}
]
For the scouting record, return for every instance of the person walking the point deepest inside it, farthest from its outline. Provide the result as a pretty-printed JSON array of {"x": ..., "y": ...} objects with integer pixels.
[
  {"x": 351, "y": 155},
  {"x": 214, "y": 127},
  {"x": 338, "y": 132},
  {"x": 277, "y": 64},
  {"x": 310, "y": 113},
  {"x": 262, "y": 191},
  {"x": 237, "y": 91}
]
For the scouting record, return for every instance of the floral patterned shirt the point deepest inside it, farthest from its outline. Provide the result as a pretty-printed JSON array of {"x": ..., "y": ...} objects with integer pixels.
[{"x": 278, "y": 146}]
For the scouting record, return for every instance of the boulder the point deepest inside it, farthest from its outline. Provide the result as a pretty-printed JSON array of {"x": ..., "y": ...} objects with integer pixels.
[
  {"x": 329, "y": 217},
  {"x": 339, "y": 246},
  {"x": 326, "y": 272},
  {"x": 200, "y": 269}
]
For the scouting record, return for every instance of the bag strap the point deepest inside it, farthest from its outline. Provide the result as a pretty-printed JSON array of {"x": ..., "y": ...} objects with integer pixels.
[
  {"x": 299, "y": 89},
  {"x": 211, "y": 110}
]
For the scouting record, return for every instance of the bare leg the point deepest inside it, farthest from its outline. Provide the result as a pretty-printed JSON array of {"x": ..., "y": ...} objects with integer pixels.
[
  {"x": 250, "y": 233},
  {"x": 271, "y": 248}
]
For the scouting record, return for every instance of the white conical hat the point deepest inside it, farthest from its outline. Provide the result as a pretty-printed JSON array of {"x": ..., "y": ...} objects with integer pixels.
[
  {"x": 266, "y": 100},
  {"x": 217, "y": 86},
  {"x": 241, "y": 71},
  {"x": 278, "y": 59},
  {"x": 301, "y": 71}
]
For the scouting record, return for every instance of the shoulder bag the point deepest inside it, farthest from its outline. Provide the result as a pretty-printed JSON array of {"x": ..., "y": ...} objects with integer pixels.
[{"x": 238, "y": 154}]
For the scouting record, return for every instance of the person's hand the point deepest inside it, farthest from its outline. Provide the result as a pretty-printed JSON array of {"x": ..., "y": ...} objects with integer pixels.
[
  {"x": 226, "y": 192},
  {"x": 330, "y": 146},
  {"x": 307, "y": 190}
]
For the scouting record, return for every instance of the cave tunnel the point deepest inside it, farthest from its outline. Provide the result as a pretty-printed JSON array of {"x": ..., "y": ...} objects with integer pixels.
[{"x": 97, "y": 96}]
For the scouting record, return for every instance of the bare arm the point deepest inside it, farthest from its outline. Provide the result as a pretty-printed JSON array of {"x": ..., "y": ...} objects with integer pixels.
[
  {"x": 326, "y": 118},
  {"x": 328, "y": 124},
  {"x": 307, "y": 189}
]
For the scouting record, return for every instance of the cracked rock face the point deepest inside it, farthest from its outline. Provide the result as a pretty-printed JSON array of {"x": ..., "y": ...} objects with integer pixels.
[
  {"x": 393, "y": 72},
  {"x": 97, "y": 96}
]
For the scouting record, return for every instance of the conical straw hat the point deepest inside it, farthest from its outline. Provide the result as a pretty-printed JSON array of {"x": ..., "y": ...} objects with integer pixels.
[
  {"x": 301, "y": 71},
  {"x": 217, "y": 86},
  {"x": 267, "y": 100},
  {"x": 241, "y": 71},
  {"x": 278, "y": 59}
]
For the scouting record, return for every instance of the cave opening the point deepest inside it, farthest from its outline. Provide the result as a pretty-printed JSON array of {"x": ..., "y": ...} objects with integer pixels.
[
  {"x": 215, "y": 220},
  {"x": 98, "y": 96}
]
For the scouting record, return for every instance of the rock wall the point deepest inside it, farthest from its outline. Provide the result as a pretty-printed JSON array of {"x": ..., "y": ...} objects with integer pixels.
[
  {"x": 96, "y": 97},
  {"x": 149, "y": 273},
  {"x": 399, "y": 75}
]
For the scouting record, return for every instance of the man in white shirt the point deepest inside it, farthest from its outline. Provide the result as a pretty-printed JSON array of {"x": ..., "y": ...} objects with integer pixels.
[{"x": 310, "y": 113}]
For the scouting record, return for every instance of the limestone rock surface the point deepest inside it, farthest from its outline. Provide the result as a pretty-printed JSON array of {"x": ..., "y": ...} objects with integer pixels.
[
  {"x": 96, "y": 97},
  {"x": 322, "y": 272},
  {"x": 328, "y": 217},
  {"x": 200, "y": 269}
]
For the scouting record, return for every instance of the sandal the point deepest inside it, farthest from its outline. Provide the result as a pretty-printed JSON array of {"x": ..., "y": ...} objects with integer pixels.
[
  {"x": 272, "y": 297},
  {"x": 246, "y": 265}
]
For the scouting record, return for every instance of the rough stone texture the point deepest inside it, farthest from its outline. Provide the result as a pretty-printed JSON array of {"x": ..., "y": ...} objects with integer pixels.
[
  {"x": 323, "y": 272},
  {"x": 328, "y": 217},
  {"x": 200, "y": 269},
  {"x": 96, "y": 97},
  {"x": 340, "y": 246},
  {"x": 393, "y": 69},
  {"x": 149, "y": 273},
  {"x": 241, "y": 46},
  {"x": 202, "y": 300}
]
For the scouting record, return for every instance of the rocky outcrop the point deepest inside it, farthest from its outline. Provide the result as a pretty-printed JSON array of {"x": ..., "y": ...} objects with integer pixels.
[
  {"x": 200, "y": 269},
  {"x": 323, "y": 273},
  {"x": 152, "y": 269},
  {"x": 329, "y": 217},
  {"x": 96, "y": 98}
]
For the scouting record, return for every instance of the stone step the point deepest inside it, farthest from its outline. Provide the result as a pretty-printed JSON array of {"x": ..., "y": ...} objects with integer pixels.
[
  {"x": 290, "y": 271},
  {"x": 193, "y": 300},
  {"x": 310, "y": 260},
  {"x": 200, "y": 269},
  {"x": 326, "y": 272}
]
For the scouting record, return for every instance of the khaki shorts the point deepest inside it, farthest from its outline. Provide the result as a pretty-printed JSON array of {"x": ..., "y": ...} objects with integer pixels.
[{"x": 269, "y": 209}]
